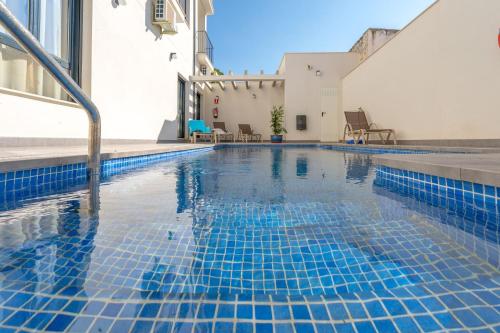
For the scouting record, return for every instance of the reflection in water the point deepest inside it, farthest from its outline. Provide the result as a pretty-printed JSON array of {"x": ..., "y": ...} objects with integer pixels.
[
  {"x": 302, "y": 166},
  {"x": 58, "y": 262},
  {"x": 357, "y": 167},
  {"x": 277, "y": 156}
]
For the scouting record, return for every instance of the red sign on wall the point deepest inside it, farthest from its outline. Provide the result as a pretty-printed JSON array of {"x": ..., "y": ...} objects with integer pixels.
[{"x": 216, "y": 100}]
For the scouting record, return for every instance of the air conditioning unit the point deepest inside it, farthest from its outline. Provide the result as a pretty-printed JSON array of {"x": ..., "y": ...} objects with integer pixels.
[{"x": 165, "y": 16}]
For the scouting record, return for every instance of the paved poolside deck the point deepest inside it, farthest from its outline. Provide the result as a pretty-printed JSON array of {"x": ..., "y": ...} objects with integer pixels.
[
  {"x": 476, "y": 168},
  {"x": 18, "y": 158}
]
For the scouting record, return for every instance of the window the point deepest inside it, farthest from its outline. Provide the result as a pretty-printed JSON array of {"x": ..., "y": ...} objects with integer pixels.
[
  {"x": 57, "y": 25},
  {"x": 185, "y": 8}
]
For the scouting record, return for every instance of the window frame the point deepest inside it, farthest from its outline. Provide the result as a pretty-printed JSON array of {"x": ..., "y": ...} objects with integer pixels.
[{"x": 75, "y": 11}]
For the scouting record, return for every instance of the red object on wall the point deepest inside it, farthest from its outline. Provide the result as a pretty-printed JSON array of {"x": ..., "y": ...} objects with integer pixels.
[
  {"x": 215, "y": 113},
  {"x": 499, "y": 38},
  {"x": 216, "y": 100}
]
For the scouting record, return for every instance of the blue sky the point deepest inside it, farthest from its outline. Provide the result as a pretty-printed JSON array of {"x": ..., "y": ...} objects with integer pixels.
[{"x": 254, "y": 34}]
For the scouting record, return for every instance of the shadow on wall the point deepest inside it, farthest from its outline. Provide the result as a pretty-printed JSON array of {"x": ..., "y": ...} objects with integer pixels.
[
  {"x": 148, "y": 20},
  {"x": 168, "y": 131}
]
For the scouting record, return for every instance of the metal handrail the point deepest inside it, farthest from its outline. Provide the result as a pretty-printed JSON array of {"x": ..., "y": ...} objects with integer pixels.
[{"x": 33, "y": 47}]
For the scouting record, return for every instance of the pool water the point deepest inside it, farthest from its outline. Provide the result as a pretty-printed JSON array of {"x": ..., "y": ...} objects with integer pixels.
[{"x": 243, "y": 239}]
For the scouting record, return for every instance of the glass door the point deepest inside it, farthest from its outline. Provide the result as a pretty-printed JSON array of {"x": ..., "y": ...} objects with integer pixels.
[
  {"x": 197, "y": 115},
  {"x": 181, "y": 109}
]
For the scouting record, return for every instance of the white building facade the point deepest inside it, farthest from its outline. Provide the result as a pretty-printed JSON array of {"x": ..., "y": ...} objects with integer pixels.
[{"x": 136, "y": 75}]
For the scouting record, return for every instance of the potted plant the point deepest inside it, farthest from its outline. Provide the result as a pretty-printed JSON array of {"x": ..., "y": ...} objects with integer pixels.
[{"x": 277, "y": 120}]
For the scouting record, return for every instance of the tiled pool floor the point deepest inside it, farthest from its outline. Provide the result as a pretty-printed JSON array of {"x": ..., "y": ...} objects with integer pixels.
[{"x": 241, "y": 239}]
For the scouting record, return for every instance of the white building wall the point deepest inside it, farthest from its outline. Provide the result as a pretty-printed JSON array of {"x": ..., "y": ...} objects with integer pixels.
[
  {"x": 438, "y": 79},
  {"x": 133, "y": 81},
  {"x": 127, "y": 71},
  {"x": 305, "y": 92}
]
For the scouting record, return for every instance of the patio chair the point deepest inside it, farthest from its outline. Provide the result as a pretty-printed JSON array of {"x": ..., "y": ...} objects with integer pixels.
[
  {"x": 220, "y": 132},
  {"x": 198, "y": 129},
  {"x": 358, "y": 128},
  {"x": 246, "y": 133}
]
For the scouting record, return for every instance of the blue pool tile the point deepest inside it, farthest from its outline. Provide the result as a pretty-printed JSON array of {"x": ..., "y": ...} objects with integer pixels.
[
  {"x": 447, "y": 321},
  {"x": 244, "y": 311},
  {"x": 121, "y": 325},
  {"x": 263, "y": 312},
  {"x": 414, "y": 306},
  {"x": 386, "y": 326},
  {"x": 18, "y": 318},
  {"x": 150, "y": 310},
  {"x": 356, "y": 310},
  {"x": 188, "y": 310},
  {"x": 244, "y": 328},
  {"x": 394, "y": 307},
  {"x": 112, "y": 309},
  {"x": 183, "y": 327},
  {"x": 304, "y": 327},
  {"x": 300, "y": 312},
  {"x": 80, "y": 324},
  {"x": 365, "y": 327},
  {"x": 168, "y": 310},
  {"x": 318, "y": 312},
  {"x": 432, "y": 304},
  {"x": 488, "y": 315},
  {"x": 281, "y": 312},
  {"x": 468, "y": 318},
  {"x": 39, "y": 321},
  {"x": 264, "y": 327},
  {"x": 206, "y": 311},
  {"x": 75, "y": 306},
  {"x": 344, "y": 328},
  {"x": 283, "y": 328},
  {"x": 427, "y": 323},
  {"x": 93, "y": 307},
  {"x": 60, "y": 323},
  {"x": 101, "y": 325},
  {"x": 324, "y": 328},
  {"x": 203, "y": 327},
  {"x": 162, "y": 326},
  {"x": 375, "y": 309},
  {"x": 223, "y": 327},
  {"x": 226, "y": 311},
  {"x": 406, "y": 324}
]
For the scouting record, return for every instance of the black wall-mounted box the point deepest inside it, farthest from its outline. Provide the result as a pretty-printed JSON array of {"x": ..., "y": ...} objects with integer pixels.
[{"x": 301, "y": 122}]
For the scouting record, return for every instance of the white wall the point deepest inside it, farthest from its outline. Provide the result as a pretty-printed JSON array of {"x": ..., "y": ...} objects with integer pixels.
[
  {"x": 438, "y": 79},
  {"x": 133, "y": 82},
  {"x": 127, "y": 71},
  {"x": 303, "y": 90},
  {"x": 240, "y": 107},
  {"x": 29, "y": 117}
]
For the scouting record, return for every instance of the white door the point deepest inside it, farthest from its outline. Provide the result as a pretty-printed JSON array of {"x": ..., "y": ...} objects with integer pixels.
[{"x": 329, "y": 126}]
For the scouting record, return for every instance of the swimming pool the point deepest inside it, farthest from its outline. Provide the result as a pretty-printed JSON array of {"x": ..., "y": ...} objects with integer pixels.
[{"x": 243, "y": 239}]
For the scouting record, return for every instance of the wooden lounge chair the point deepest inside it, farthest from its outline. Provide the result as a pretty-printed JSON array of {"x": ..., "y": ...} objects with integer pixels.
[
  {"x": 358, "y": 128},
  {"x": 246, "y": 133},
  {"x": 223, "y": 134}
]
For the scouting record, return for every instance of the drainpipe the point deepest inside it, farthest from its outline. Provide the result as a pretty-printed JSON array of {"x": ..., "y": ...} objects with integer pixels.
[{"x": 195, "y": 29}]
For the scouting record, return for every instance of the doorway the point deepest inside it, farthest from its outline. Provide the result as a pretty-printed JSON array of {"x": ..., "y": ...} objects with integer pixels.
[{"x": 329, "y": 125}]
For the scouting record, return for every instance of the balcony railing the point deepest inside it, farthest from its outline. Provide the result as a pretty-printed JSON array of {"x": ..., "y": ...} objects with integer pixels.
[{"x": 205, "y": 45}]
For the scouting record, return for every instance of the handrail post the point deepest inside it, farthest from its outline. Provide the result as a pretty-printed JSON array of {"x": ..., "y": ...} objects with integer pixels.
[{"x": 33, "y": 47}]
